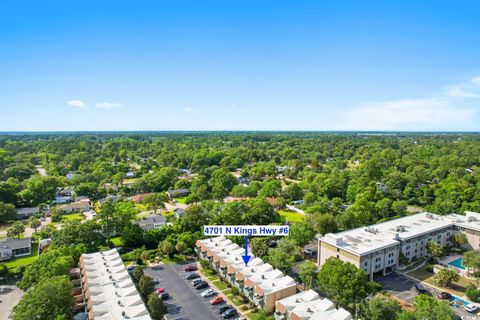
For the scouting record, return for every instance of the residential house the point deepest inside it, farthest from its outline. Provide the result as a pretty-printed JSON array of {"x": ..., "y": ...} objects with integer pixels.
[
  {"x": 24, "y": 213},
  {"x": 178, "y": 212},
  {"x": 138, "y": 198},
  {"x": 70, "y": 175},
  {"x": 177, "y": 193},
  {"x": 130, "y": 174},
  {"x": 77, "y": 206},
  {"x": 153, "y": 221},
  {"x": 13, "y": 247}
]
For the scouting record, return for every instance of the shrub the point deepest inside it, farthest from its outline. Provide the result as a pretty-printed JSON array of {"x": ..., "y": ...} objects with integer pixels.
[
  {"x": 235, "y": 291},
  {"x": 429, "y": 268},
  {"x": 473, "y": 294}
]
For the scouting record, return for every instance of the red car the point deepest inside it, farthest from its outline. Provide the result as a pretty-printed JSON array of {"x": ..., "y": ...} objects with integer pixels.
[
  {"x": 444, "y": 295},
  {"x": 191, "y": 267},
  {"x": 160, "y": 290},
  {"x": 216, "y": 300}
]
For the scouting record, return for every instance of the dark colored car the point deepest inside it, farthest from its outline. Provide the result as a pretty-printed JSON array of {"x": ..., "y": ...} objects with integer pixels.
[
  {"x": 225, "y": 308},
  {"x": 192, "y": 276},
  {"x": 164, "y": 295},
  {"x": 196, "y": 281},
  {"x": 201, "y": 285},
  {"x": 421, "y": 289},
  {"x": 191, "y": 267},
  {"x": 230, "y": 313},
  {"x": 444, "y": 295}
]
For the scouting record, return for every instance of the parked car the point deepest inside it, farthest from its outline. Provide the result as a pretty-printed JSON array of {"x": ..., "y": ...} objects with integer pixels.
[
  {"x": 230, "y": 313},
  {"x": 239, "y": 318},
  {"x": 201, "y": 285},
  {"x": 444, "y": 295},
  {"x": 131, "y": 268},
  {"x": 192, "y": 276},
  {"x": 225, "y": 308},
  {"x": 471, "y": 307},
  {"x": 160, "y": 290},
  {"x": 421, "y": 289},
  {"x": 309, "y": 252},
  {"x": 164, "y": 295},
  {"x": 156, "y": 281},
  {"x": 191, "y": 267},
  {"x": 196, "y": 281},
  {"x": 216, "y": 300},
  {"x": 208, "y": 293}
]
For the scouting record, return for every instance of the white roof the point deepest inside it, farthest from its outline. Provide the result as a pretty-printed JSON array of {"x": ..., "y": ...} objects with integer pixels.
[
  {"x": 386, "y": 234},
  {"x": 111, "y": 289},
  {"x": 276, "y": 284},
  {"x": 290, "y": 302}
]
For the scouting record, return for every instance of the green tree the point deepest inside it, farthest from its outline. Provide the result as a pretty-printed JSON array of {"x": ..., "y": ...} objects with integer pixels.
[
  {"x": 107, "y": 216},
  {"x": 165, "y": 248},
  {"x": 459, "y": 239},
  {"x": 434, "y": 249},
  {"x": 471, "y": 261},
  {"x": 49, "y": 299},
  {"x": 180, "y": 247},
  {"x": 322, "y": 223},
  {"x": 146, "y": 286},
  {"x": 137, "y": 273},
  {"x": 16, "y": 230},
  {"x": 259, "y": 247},
  {"x": 381, "y": 307},
  {"x": 155, "y": 201},
  {"x": 156, "y": 307},
  {"x": 446, "y": 277},
  {"x": 35, "y": 224},
  {"x": 7, "y": 212},
  {"x": 301, "y": 233},
  {"x": 221, "y": 183},
  {"x": 307, "y": 271},
  {"x": 283, "y": 256},
  {"x": 427, "y": 308},
  {"x": 342, "y": 282},
  {"x": 132, "y": 236}
]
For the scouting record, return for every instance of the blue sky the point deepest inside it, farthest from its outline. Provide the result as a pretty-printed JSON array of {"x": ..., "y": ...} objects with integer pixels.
[{"x": 239, "y": 65}]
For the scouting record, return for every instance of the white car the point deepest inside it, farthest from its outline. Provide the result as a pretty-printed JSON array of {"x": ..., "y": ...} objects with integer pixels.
[
  {"x": 208, "y": 293},
  {"x": 471, "y": 307}
]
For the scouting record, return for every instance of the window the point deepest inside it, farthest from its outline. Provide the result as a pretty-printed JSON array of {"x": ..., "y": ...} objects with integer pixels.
[
  {"x": 366, "y": 263},
  {"x": 338, "y": 250}
]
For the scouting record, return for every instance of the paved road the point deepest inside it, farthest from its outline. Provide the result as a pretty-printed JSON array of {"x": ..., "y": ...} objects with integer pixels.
[
  {"x": 185, "y": 302},
  {"x": 10, "y": 294},
  {"x": 403, "y": 287}
]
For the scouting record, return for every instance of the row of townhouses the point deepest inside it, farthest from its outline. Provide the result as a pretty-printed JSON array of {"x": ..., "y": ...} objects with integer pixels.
[
  {"x": 109, "y": 292},
  {"x": 265, "y": 286},
  {"x": 377, "y": 248}
]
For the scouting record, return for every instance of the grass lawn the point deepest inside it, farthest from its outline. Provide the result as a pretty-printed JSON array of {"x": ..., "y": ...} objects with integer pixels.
[
  {"x": 181, "y": 200},
  {"x": 257, "y": 316},
  {"x": 220, "y": 285},
  {"x": 8, "y": 224},
  {"x": 72, "y": 217},
  {"x": 117, "y": 241},
  {"x": 459, "y": 288},
  {"x": 291, "y": 216},
  {"x": 24, "y": 261},
  {"x": 131, "y": 180}
]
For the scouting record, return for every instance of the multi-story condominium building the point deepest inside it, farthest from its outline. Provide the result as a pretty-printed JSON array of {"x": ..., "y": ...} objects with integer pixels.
[
  {"x": 109, "y": 291},
  {"x": 377, "y": 248},
  {"x": 259, "y": 281},
  {"x": 308, "y": 305}
]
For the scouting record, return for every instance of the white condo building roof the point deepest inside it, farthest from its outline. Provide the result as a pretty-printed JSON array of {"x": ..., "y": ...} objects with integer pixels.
[
  {"x": 367, "y": 239},
  {"x": 110, "y": 291}
]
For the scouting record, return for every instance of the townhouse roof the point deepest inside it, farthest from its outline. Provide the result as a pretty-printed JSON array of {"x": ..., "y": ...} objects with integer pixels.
[{"x": 113, "y": 294}]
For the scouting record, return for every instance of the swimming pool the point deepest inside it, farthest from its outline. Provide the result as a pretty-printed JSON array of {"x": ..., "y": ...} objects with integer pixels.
[{"x": 457, "y": 263}]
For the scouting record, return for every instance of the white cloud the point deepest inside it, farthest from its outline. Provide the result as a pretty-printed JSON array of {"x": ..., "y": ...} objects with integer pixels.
[
  {"x": 469, "y": 89},
  {"x": 190, "y": 110},
  {"x": 77, "y": 104},
  {"x": 446, "y": 110},
  {"x": 108, "y": 105}
]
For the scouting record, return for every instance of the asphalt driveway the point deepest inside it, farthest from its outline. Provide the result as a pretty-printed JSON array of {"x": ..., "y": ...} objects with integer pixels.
[
  {"x": 403, "y": 288},
  {"x": 185, "y": 303}
]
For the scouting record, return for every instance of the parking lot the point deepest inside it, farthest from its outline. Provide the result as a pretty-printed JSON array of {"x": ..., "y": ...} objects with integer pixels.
[
  {"x": 185, "y": 302},
  {"x": 403, "y": 288}
]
